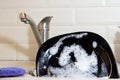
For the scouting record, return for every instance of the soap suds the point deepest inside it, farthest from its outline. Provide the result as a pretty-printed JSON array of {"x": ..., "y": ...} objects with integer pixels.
[
  {"x": 94, "y": 44},
  {"x": 84, "y": 65}
]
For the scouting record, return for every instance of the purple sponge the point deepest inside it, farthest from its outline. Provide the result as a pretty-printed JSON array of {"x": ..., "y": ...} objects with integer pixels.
[{"x": 11, "y": 72}]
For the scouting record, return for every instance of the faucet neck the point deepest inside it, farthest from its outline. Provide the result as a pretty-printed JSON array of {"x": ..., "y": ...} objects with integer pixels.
[
  {"x": 28, "y": 20},
  {"x": 42, "y": 32},
  {"x": 43, "y": 27}
]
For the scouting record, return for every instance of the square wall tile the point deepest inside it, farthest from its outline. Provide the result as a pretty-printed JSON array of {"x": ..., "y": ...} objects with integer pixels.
[
  {"x": 8, "y": 51},
  {"x": 113, "y": 3},
  {"x": 98, "y": 16},
  {"x": 8, "y": 17},
  {"x": 27, "y": 51},
  {"x": 113, "y": 34}
]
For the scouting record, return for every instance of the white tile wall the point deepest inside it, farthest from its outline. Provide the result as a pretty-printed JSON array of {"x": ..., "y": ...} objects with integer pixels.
[
  {"x": 74, "y": 3},
  {"x": 99, "y": 16},
  {"x": 8, "y": 17},
  {"x": 21, "y": 4},
  {"x": 8, "y": 51},
  {"x": 113, "y": 34},
  {"x": 18, "y": 41},
  {"x": 113, "y": 3},
  {"x": 61, "y": 16},
  {"x": 116, "y": 50},
  {"x": 27, "y": 51},
  {"x": 67, "y": 29},
  {"x": 17, "y": 34},
  {"x": 49, "y": 3}
]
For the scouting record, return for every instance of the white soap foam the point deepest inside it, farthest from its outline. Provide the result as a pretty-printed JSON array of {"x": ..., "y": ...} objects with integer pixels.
[
  {"x": 84, "y": 66},
  {"x": 94, "y": 44},
  {"x": 53, "y": 50},
  {"x": 70, "y": 71}
]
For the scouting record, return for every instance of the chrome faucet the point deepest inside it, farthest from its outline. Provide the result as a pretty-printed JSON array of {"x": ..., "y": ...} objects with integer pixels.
[{"x": 41, "y": 31}]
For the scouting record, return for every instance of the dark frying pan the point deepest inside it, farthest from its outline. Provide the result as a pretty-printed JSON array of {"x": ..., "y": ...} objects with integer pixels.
[{"x": 89, "y": 41}]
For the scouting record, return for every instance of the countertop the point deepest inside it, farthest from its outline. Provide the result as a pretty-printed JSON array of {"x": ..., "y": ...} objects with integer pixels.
[{"x": 30, "y": 65}]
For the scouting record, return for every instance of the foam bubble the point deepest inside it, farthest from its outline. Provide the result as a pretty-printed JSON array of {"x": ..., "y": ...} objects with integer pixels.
[{"x": 94, "y": 44}]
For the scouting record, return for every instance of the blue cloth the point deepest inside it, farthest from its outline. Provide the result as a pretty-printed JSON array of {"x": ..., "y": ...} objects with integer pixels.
[{"x": 11, "y": 72}]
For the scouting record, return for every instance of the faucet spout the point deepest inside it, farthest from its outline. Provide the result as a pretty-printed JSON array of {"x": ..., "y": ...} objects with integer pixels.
[
  {"x": 43, "y": 27},
  {"x": 28, "y": 20},
  {"x": 41, "y": 31}
]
